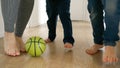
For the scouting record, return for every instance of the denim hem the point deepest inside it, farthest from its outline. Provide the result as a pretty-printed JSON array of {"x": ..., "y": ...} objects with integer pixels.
[{"x": 109, "y": 43}]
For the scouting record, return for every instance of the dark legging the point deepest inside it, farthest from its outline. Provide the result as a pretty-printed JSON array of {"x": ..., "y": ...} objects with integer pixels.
[{"x": 16, "y": 14}]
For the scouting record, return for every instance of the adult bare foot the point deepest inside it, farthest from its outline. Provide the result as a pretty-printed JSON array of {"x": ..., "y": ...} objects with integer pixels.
[
  {"x": 109, "y": 55},
  {"x": 68, "y": 45},
  {"x": 10, "y": 46},
  {"x": 48, "y": 40},
  {"x": 93, "y": 49},
  {"x": 20, "y": 43}
]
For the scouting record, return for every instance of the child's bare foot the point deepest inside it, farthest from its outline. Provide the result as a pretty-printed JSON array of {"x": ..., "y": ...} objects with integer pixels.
[
  {"x": 48, "y": 40},
  {"x": 110, "y": 55},
  {"x": 68, "y": 45},
  {"x": 20, "y": 44},
  {"x": 93, "y": 49},
  {"x": 10, "y": 46}
]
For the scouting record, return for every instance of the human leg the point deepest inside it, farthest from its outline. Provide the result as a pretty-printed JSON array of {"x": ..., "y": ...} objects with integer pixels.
[
  {"x": 64, "y": 13},
  {"x": 111, "y": 31},
  {"x": 24, "y": 13},
  {"x": 9, "y": 12},
  {"x": 52, "y": 20},
  {"x": 95, "y": 9}
]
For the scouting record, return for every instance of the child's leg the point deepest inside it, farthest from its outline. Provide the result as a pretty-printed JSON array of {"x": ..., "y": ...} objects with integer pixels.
[
  {"x": 24, "y": 13},
  {"x": 10, "y": 11},
  {"x": 52, "y": 20},
  {"x": 95, "y": 9},
  {"x": 111, "y": 32},
  {"x": 64, "y": 13}
]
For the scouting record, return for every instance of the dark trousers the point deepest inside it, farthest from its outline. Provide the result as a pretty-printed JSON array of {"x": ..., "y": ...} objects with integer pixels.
[
  {"x": 108, "y": 34},
  {"x": 61, "y": 8}
]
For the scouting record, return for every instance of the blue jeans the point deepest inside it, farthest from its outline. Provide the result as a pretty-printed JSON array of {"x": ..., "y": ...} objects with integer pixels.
[
  {"x": 108, "y": 34},
  {"x": 61, "y": 8}
]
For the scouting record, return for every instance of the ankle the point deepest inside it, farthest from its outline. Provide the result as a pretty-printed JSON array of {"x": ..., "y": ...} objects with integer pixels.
[
  {"x": 18, "y": 37},
  {"x": 9, "y": 34},
  {"x": 109, "y": 47},
  {"x": 98, "y": 45}
]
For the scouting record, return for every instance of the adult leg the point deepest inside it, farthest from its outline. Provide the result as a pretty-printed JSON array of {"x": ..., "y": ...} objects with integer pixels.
[
  {"x": 24, "y": 13},
  {"x": 10, "y": 11},
  {"x": 95, "y": 9},
  {"x": 111, "y": 31},
  {"x": 52, "y": 19}
]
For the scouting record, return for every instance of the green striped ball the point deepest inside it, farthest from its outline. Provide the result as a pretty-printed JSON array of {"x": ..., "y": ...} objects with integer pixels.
[{"x": 35, "y": 46}]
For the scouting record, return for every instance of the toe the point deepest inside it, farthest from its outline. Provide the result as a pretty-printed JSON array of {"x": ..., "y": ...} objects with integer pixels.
[
  {"x": 47, "y": 40},
  {"x": 68, "y": 45},
  {"x": 11, "y": 53},
  {"x": 105, "y": 59},
  {"x": 17, "y": 53}
]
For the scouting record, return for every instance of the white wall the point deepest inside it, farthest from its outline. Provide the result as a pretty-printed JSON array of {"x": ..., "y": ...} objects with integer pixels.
[
  {"x": 34, "y": 19},
  {"x": 79, "y": 10},
  {"x": 1, "y": 24},
  {"x": 42, "y": 11}
]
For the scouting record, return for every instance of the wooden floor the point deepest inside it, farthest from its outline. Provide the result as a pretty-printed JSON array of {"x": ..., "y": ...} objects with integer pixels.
[{"x": 55, "y": 55}]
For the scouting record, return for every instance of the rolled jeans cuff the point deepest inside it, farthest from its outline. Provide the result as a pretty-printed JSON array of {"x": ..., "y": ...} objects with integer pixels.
[{"x": 109, "y": 43}]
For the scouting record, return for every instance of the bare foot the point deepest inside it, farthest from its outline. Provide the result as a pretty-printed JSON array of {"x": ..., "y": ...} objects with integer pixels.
[
  {"x": 48, "y": 40},
  {"x": 68, "y": 45},
  {"x": 20, "y": 43},
  {"x": 10, "y": 46},
  {"x": 109, "y": 55},
  {"x": 93, "y": 49}
]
